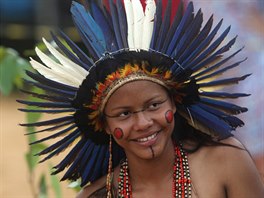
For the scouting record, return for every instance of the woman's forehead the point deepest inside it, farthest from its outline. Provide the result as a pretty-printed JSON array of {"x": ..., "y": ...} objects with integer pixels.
[{"x": 136, "y": 91}]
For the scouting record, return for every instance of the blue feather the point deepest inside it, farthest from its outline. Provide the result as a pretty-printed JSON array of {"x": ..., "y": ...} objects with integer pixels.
[
  {"x": 212, "y": 58},
  {"x": 222, "y": 82},
  {"x": 193, "y": 46},
  {"x": 69, "y": 53},
  {"x": 233, "y": 121},
  {"x": 122, "y": 22},
  {"x": 210, "y": 122},
  {"x": 209, "y": 50},
  {"x": 224, "y": 106},
  {"x": 157, "y": 24},
  {"x": 57, "y": 134},
  {"x": 90, "y": 31},
  {"x": 106, "y": 28},
  {"x": 164, "y": 27},
  {"x": 46, "y": 104},
  {"x": 97, "y": 168},
  {"x": 48, "y": 88},
  {"x": 51, "y": 128},
  {"x": 71, "y": 156},
  {"x": 83, "y": 57},
  {"x": 114, "y": 17},
  {"x": 202, "y": 45},
  {"x": 47, "y": 97},
  {"x": 85, "y": 152},
  {"x": 217, "y": 65},
  {"x": 187, "y": 18},
  {"x": 47, "y": 111},
  {"x": 49, "y": 122},
  {"x": 191, "y": 32},
  {"x": 60, "y": 145},
  {"x": 221, "y": 71},
  {"x": 223, "y": 94},
  {"x": 86, "y": 175},
  {"x": 173, "y": 28}
]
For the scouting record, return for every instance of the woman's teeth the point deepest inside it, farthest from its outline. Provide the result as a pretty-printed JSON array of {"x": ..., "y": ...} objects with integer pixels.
[{"x": 147, "y": 138}]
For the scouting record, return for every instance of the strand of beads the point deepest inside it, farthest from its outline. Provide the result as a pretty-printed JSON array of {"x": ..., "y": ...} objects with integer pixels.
[
  {"x": 181, "y": 186},
  {"x": 124, "y": 186},
  {"x": 183, "y": 179}
]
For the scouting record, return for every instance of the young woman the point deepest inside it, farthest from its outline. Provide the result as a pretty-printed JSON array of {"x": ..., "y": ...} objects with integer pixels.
[{"x": 142, "y": 110}]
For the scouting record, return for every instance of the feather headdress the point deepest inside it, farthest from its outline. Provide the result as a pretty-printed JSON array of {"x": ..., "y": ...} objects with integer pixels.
[{"x": 125, "y": 38}]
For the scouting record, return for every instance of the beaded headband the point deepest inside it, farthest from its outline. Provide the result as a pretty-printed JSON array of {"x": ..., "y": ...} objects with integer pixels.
[{"x": 128, "y": 40}]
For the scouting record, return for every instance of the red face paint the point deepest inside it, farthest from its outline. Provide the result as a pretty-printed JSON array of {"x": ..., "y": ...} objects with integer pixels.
[
  {"x": 169, "y": 116},
  {"x": 118, "y": 133}
]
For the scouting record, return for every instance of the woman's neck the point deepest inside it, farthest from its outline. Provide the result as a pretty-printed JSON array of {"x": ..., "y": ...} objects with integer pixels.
[{"x": 151, "y": 171}]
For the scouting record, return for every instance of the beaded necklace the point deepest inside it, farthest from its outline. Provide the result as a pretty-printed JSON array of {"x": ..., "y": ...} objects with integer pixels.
[{"x": 181, "y": 187}]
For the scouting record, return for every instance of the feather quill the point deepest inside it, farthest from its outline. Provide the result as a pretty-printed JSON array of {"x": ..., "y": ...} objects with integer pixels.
[
  {"x": 130, "y": 23},
  {"x": 138, "y": 14},
  {"x": 148, "y": 24}
]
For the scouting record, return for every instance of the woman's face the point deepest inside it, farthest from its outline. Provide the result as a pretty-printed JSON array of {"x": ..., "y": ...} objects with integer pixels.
[{"x": 139, "y": 115}]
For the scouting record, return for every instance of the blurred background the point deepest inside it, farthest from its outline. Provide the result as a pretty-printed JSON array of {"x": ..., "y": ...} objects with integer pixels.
[{"x": 25, "y": 22}]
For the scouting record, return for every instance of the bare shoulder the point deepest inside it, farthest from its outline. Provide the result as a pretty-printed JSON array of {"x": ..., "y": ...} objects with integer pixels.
[
  {"x": 91, "y": 188},
  {"x": 229, "y": 170},
  {"x": 240, "y": 175}
]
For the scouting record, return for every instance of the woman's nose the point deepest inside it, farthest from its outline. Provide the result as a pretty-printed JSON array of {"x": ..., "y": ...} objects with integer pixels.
[{"x": 142, "y": 121}]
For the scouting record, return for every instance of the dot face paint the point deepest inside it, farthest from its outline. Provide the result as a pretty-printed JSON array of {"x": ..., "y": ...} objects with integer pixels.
[
  {"x": 169, "y": 116},
  {"x": 118, "y": 133}
]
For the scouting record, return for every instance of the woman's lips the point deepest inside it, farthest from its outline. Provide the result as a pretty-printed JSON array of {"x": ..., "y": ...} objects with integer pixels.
[
  {"x": 145, "y": 139},
  {"x": 149, "y": 140}
]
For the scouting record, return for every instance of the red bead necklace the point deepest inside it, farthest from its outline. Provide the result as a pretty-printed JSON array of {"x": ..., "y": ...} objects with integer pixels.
[{"x": 181, "y": 187}]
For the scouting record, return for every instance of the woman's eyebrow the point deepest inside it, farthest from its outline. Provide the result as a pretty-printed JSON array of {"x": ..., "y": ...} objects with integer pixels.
[{"x": 158, "y": 96}]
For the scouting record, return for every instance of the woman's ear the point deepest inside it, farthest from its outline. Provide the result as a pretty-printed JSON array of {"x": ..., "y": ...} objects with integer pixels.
[
  {"x": 107, "y": 129},
  {"x": 174, "y": 109}
]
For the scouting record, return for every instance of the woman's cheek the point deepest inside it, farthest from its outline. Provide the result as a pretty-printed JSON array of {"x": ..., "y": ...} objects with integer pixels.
[
  {"x": 169, "y": 116},
  {"x": 118, "y": 133}
]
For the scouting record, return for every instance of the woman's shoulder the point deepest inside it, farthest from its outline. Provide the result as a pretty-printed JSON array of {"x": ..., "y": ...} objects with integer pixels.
[
  {"x": 95, "y": 189},
  {"x": 235, "y": 167},
  {"x": 226, "y": 153}
]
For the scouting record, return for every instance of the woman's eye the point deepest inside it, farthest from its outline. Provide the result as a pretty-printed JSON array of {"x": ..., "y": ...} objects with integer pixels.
[
  {"x": 154, "y": 106},
  {"x": 124, "y": 114}
]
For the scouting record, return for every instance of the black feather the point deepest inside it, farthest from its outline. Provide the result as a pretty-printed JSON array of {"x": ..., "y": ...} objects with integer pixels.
[{"x": 50, "y": 122}]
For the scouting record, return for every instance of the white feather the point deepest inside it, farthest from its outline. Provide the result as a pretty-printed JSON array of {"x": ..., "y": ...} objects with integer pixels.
[
  {"x": 138, "y": 14},
  {"x": 78, "y": 71},
  {"x": 59, "y": 71},
  {"x": 50, "y": 74},
  {"x": 148, "y": 24},
  {"x": 130, "y": 23}
]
